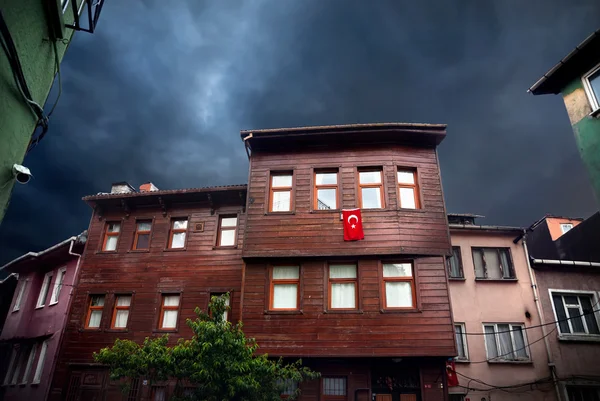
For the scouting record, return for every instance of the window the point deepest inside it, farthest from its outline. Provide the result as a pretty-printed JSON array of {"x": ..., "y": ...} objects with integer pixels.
[
  {"x": 141, "y": 240},
  {"x": 505, "y": 342},
  {"x": 408, "y": 193},
  {"x": 326, "y": 190},
  {"x": 583, "y": 393},
  {"x": 461, "y": 342},
  {"x": 398, "y": 286},
  {"x": 30, "y": 358},
  {"x": 288, "y": 387},
  {"x": 9, "y": 372},
  {"x": 285, "y": 283},
  {"x": 159, "y": 393},
  {"x": 44, "y": 290},
  {"x": 94, "y": 315},
  {"x": 370, "y": 184},
  {"x": 40, "y": 363},
  {"x": 454, "y": 264},
  {"x": 565, "y": 227},
  {"x": 280, "y": 199},
  {"x": 343, "y": 287},
  {"x": 591, "y": 84},
  {"x": 227, "y": 303},
  {"x": 58, "y": 283},
  {"x": 169, "y": 311},
  {"x": 493, "y": 263},
  {"x": 20, "y": 295},
  {"x": 456, "y": 397},
  {"x": 574, "y": 313},
  {"x": 111, "y": 236},
  {"x": 19, "y": 363},
  {"x": 178, "y": 233},
  {"x": 334, "y": 388},
  {"x": 227, "y": 234},
  {"x": 121, "y": 312}
]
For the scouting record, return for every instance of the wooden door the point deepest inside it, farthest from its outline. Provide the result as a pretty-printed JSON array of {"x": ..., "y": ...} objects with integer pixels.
[
  {"x": 383, "y": 397},
  {"x": 408, "y": 397}
]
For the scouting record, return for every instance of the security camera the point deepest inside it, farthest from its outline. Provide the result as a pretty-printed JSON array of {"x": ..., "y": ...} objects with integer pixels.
[{"x": 21, "y": 173}]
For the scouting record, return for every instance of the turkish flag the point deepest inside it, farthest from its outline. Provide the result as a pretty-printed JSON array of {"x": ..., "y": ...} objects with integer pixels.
[
  {"x": 353, "y": 230},
  {"x": 451, "y": 373}
]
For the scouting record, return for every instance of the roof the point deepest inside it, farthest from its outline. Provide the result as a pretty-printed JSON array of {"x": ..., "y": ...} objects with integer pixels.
[
  {"x": 402, "y": 133},
  {"x": 582, "y": 59},
  {"x": 218, "y": 188},
  {"x": 473, "y": 227}
]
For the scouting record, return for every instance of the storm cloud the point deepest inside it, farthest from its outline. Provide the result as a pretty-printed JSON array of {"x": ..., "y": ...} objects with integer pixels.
[{"x": 161, "y": 90}]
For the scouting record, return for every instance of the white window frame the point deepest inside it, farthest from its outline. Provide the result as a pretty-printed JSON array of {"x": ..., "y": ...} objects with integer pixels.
[
  {"x": 502, "y": 359},
  {"x": 39, "y": 367},
  {"x": 57, "y": 288},
  {"x": 41, "y": 302},
  {"x": 594, "y": 102},
  {"x": 19, "y": 297},
  {"x": 595, "y": 295},
  {"x": 31, "y": 357},
  {"x": 563, "y": 225},
  {"x": 9, "y": 372},
  {"x": 464, "y": 339}
]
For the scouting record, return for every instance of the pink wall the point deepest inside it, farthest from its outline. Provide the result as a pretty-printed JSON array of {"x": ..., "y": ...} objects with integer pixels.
[
  {"x": 554, "y": 225},
  {"x": 31, "y": 322},
  {"x": 477, "y": 302}
]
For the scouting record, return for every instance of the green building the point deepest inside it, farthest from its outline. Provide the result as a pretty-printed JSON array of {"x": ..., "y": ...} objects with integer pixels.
[
  {"x": 577, "y": 78},
  {"x": 34, "y": 35}
]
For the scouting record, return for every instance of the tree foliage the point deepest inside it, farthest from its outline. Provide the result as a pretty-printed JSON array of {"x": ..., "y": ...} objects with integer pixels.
[{"x": 219, "y": 362}]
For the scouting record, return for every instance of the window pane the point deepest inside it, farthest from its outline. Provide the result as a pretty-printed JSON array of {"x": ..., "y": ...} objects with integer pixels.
[
  {"x": 520, "y": 349},
  {"x": 454, "y": 269},
  {"x": 95, "y": 317},
  {"x": 178, "y": 240},
  {"x": 44, "y": 290},
  {"x": 227, "y": 238},
  {"x": 159, "y": 394},
  {"x": 506, "y": 347},
  {"x": 371, "y": 198},
  {"x": 326, "y": 199},
  {"x": 594, "y": 80},
  {"x": 281, "y": 181},
  {"x": 407, "y": 198},
  {"x": 590, "y": 319},
  {"x": 406, "y": 177},
  {"x": 459, "y": 341},
  {"x": 334, "y": 386},
  {"x": 490, "y": 342},
  {"x": 576, "y": 322},
  {"x": 342, "y": 271},
  {"x": 121, "y": 318},
  {"x": 285, "y": 296},
  {"x": 571, "y": 300},
  {"x": 40, "y": 363},
  {"x": 398, "y": 294},
  {"x": 326, "y": 179},
  {"x": 169, "y": 319},
  {"x": 507, "y": 269},
  {"x": 97, "y": 300},
  {"x": 492, "y": 263},
  {"x": 111, "y": 243},
  {"x": 143, "y": 241},
  {"x": 124, "y": 300},
  {"x": 478, "y": 262},
  {"x": 397, "y": 270},
  {"x": 114, "y": 227},
  {"x": 286, "y": 273},
  {"x": 171, "y": 300},
  {"x": 370, "y": 177},
  {"x": 563, "y": 324},
  {"x": 282, "y": 201},
  {"x": 343, "y": 295},
  {"x": 180, "y": 224},
  {"x": 229, "y": 222},
  {"x": 144, "y": 225}
]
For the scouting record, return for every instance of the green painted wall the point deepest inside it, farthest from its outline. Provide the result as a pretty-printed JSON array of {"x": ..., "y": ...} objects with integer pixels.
[
  {"x": 27, "y": 22},
  {"x": 586, "y": 130}
]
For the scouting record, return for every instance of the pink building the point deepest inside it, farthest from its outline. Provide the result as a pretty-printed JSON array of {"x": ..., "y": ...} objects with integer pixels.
[
  {"x": 37, "y": 316},
  {"x": 501, "y": 353}
]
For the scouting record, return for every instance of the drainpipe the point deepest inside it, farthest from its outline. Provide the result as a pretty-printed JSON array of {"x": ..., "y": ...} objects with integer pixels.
[{"x": 536, "y": 300}]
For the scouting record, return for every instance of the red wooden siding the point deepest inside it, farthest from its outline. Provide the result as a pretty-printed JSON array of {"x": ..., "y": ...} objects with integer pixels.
[
  {"x": 306, "y": 232},
  {"x": 314, "y": 331}
]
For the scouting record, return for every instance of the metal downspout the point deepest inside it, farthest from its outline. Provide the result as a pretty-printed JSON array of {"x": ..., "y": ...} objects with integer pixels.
[{"x": 536, "y": 300}]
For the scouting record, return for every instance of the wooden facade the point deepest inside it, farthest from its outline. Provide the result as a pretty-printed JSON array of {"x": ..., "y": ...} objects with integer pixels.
[{"x": 294, "y": 243}]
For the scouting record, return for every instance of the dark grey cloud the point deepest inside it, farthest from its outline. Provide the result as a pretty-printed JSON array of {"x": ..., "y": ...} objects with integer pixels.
[{"x": 162, "y": 89}]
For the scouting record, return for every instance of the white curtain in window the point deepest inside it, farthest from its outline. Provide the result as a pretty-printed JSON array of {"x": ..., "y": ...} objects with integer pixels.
[
  {"x": 459, "y": 341},
  {"x": 111, "y": 243},
  {"x": 342, "y": 271},
  {"x": 282, "y": 201},
  {"x": 171, "y": 300},
  {"x": 504, "y": 339},
  {"x": 95, "y": 317},
  {"x": 285, "y": 296},
  {"x": 492, "y": 264},
  {"x": 178, "y": 240},
  {"x": 520, "y": 349},
  {"x": 286, "y": 272},
  {"x": 227, "y": 238},
  {"x": 479, "y": 264},
  {"x": 169, "y": 319},
  {"x": 124, "y": 300},
  {"x": 40, "y": 364},
  {"x": 407, "y": 198},
  {"x": 397, "y": 270},
  {"x": 506, "y": 264},
  {"x": 490, "y": 342},
  {"x": 121, "y": 318},
  {"x": 343, "y": 295},
  {"x": 398, "y": 294}
]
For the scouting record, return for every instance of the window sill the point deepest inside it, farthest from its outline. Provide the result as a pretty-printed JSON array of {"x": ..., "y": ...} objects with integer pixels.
[
  {"x": 462, "y": 361},
  {"x": 408, "y": 209},
  {"x": 283, "y": 312},
  {"x": 229, "y": 247},
  {"x": 457, "y": 279},
  {"x": 326, "y": 211},
  {"x": 116, "y": 330},
  {"x": 496, "y": 280},
  {"x": 138, "y": 251},
  {"x": 279, "y": 213},
  {"x": 39, "y": 307},
  {"x": 343, "y": 311},
  {"x": 91, "y": 330},
  {"x": 527, "y": 362},
  {"x": 165, "y": 331},
  {"x": 595, "y": 113},
  {"x": 106, "y": 252},
  {"x": 399, "y": 311},
  {"x": 53, "y": 303},
  {"x": 579, "y": 337},
  {"x": 175, "y": 249},
  {"x": 15, "y": 310}
]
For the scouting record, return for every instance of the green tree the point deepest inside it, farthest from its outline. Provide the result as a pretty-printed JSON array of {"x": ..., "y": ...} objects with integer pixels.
[{"x": 218, "y": 362}]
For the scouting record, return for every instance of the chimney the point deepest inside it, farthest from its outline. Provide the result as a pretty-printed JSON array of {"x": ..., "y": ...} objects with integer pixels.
[
  {"x": 148, "y": 187},
  {"x": 121, "y": 188}
]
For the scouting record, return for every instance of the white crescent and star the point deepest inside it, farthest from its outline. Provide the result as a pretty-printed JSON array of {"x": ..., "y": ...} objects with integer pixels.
[{"x": 352, "y": 216}]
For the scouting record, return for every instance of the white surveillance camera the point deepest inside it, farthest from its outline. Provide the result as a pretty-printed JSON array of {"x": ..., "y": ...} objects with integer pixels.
[{"x": 21, "y": 173}]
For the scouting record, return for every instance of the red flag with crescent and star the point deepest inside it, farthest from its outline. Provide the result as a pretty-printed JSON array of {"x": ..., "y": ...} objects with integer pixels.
[
  {"x": 451, "y": 373},
  {"x": 353, "y": 229}
]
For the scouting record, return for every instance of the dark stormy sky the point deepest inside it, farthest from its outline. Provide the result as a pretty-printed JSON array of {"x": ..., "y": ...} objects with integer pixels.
[{"x": 162, "y": 89}]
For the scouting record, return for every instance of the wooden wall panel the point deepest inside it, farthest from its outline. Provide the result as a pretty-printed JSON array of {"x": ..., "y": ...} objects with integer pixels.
[{"x": 306, "y": 232}]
